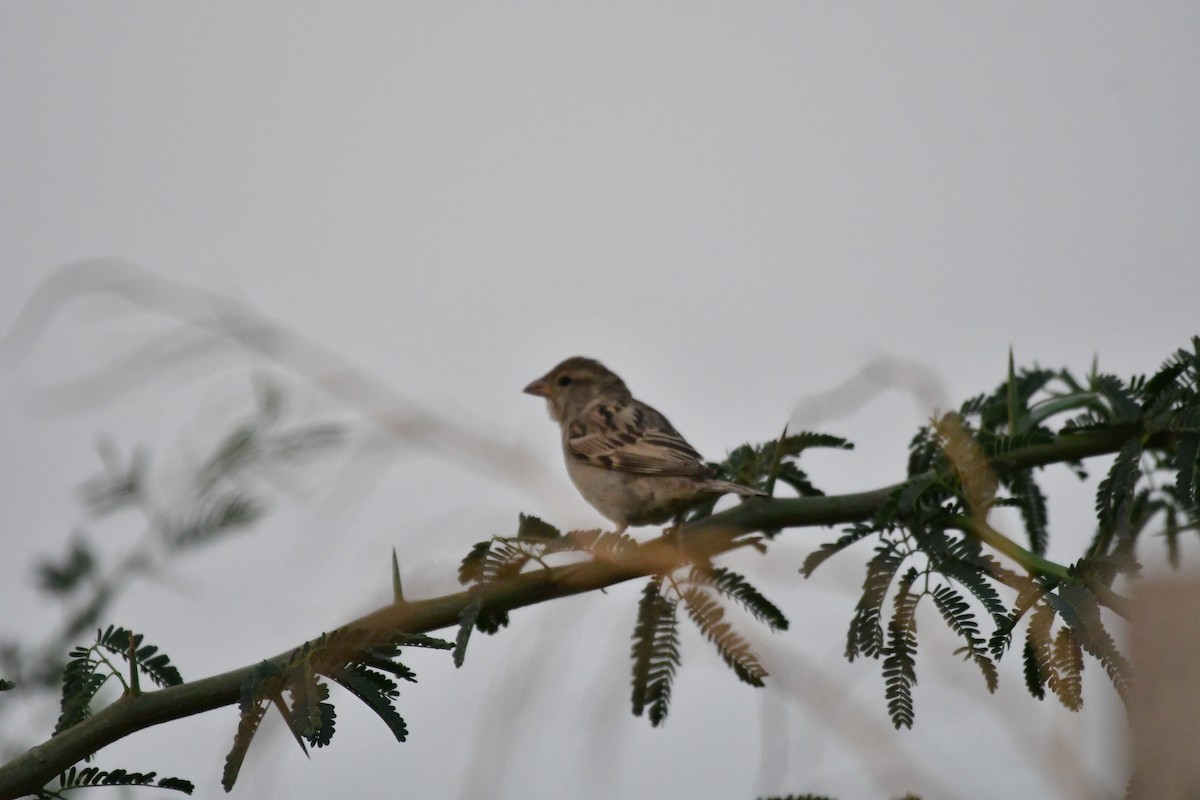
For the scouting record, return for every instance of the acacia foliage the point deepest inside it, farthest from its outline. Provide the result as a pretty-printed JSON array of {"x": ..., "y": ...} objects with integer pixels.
[
  {"x": 932, "y": 542},
  {"x": 934, "y": 532}
]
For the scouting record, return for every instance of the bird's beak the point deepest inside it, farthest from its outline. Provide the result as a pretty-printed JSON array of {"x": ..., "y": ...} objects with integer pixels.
[{"x": 538, "y": 388}]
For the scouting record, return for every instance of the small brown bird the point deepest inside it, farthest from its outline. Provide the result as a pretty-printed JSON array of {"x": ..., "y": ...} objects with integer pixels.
[{"x": 624, "y": 457}]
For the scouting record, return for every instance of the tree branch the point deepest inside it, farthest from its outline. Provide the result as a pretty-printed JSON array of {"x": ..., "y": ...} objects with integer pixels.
[{"x": 706, "y": 537}]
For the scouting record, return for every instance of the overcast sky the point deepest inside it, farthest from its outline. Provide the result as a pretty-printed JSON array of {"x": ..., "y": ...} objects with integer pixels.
[{"x": 737, "y": 207}]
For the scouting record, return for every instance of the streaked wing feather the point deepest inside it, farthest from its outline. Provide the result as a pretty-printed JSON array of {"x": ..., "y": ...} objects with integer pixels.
[{"x": 633, "y": 437}]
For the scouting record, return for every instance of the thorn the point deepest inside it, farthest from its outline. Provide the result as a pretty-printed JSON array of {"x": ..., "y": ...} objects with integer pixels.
[
  {"x": 1011, "y": 395},
  {"x": 397, "y": 588},
  {"x": 135, "y": 687},
  {"x": 776, "y": 459},
  {"x": 278, "y": 702}
]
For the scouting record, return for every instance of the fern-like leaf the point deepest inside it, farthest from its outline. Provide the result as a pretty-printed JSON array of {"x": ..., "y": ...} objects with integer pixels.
[
  {"x": 1040, "y": 668},
  {"x": 214, "y": 516},
  {"x": 797, "y": 443},
  {"x": 798, "y": 479},
  {"x": 80, "y": 683},
  {"x": 1030, "y": 592},
  {"x": 1164, "y": 385},
  {"x": 156, "y": 666},
  {"x": 118, "y": 486},
  {"x": 315, "y": 718},
  {"x": 899, "y": 662},
  {"x": 1120, "y": 400},
  {"x": 865, "y": 636},
  {"x": 734, "y": 586},
  {"x": 471, "y": 568},
  {"x": 1178, "y": 420},
  {"x": 972, "y": 571},
  {"x": 530, "y": 527},
  {"x": 1079, "y": 609},
  {"x": 825, "y": 551},
  {"x": 1034, "y": 676},
  {"x": 958, "y": 616},
  {"x": 466, "y": 623},
  {"x": 735, "y": 651},
  {"x": 383, "y": 658},
  {"x": 613, "y": 546},
  {"x": 253, "y": 707},
  {"x": 1114, "y": 497},
  {"x": 74, "y": 569},
  {"x": 655, "y": 652},
  {"x": 75, "y": 778},
  {"x": 1033, "y": 508},
  {"x": 1187, "y": 458},
  {"x": 1068, "y": 662},
  {"x": 377, "y": 692}
]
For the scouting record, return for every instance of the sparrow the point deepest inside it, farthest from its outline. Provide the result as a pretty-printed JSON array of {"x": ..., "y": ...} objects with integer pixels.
[{"x": 623, "y": 456}]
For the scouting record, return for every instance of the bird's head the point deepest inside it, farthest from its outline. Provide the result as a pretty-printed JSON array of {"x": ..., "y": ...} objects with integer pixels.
[{"x": 573, "y": 384}]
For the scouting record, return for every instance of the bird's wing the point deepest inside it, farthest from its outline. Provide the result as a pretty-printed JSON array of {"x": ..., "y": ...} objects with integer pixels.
[{"x": 630, "y": 436}]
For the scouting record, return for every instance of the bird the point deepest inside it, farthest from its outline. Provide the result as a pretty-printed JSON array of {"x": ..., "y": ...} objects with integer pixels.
[{"x": 624, "y": 457}]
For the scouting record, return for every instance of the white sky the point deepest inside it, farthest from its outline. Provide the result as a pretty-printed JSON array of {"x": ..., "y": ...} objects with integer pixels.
[{"x": 735, "y": 206}]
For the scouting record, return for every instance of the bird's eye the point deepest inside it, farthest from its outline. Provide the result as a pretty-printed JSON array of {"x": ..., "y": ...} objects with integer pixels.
[{"x": 565, "y": 380}]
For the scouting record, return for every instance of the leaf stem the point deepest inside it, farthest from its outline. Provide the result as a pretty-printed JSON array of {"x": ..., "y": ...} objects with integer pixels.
[{"x": 1031, "y": 562}]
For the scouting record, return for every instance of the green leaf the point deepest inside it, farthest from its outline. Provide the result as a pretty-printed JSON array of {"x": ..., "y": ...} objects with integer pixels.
[
  {"x": 471, "y": 568},
  {"x": 865, "y": 636},
  {"x": 75, "y": 778},
  {"x": 377, "y": 692},
  {"x": 910, "y": 494},
  {"x": 655, "y": 652},
  {"x": 466, "y": 623},
  {"x": 1114, "y": 497},
  {"x": 253, "y": 707},
  {"x": 1180, "y": 420},
  {"x": 1187, "y": 456},
  {"x": 899, "y": 662},
  {"x": 1165, "y": 381},
  {"x": 796, "y": 478},
  {"x": 1080, "y": 609},
  {"x": 493, "y": 560},
  {"x": 1001, "y": 639},
  {"x": 314, "y": 717},
  {"x": 708, "y": 615},
  {"x": 1034, "y": 676},
  {"x": 958, "y": 616},
  {"x": 491, "y": 622},
  {"x": 157, "y": 666},
  {"x": 80, "y": 683},
  {"x": 822, "y": 553},
  {"x": 531, "y": 527},
  {"x": 960, "y": 560},
  {"x": 734, "y": 586},
  {"x": 176, "y": 785},
  {"x": 63, "y": 577},
  {"x": 797, "y": 443},
  {"x": 119, "y": 486},
  {"x": 213, "y": 516},
  {"x": 1120, "y": 400},
  {"x": 1033, "y": 508},
  {"x": 248, "y": 724}
]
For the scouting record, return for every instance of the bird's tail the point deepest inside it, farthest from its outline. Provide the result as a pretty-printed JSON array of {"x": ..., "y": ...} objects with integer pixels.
[{"x": 729, "y": 487}]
